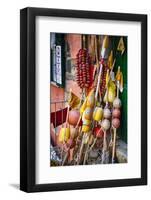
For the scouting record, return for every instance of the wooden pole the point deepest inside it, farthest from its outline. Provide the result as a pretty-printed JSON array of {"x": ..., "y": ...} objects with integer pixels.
[
  {"x": 104, "y": 147},
  {"x": 98, "y": 83},
  {"x": 81, "y": 149},
  {"x": 114, "y": 145}
]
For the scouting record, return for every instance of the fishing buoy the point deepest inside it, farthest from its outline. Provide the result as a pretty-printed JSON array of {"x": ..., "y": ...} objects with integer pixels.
[
  {"x": 97, "y": 114},
  {"x": 111, "y": 95},
  {"x": 110, "y": 92},
  {"x": 86, "y": 122},
  {"x": 64, "y": 135},
  {"x": 117, "y": 103},
  {"x": 88, "y": 113},
  {"x": 105, "y": 124},
  {"x": 98, "y": 132},
  {"x": 116, "y": 113},
  {"x": 106, "y": 113},
  {"x": 115, "y": 123},
  {"x": 86, "y": 128},
  {"x": 73, "y": 117}
]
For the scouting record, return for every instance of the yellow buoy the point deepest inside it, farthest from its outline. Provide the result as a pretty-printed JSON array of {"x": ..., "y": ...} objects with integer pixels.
[
  {"x": 86, "y": 122},
  {"x": 64, "y": 135},
  {"x": 111, "y": 91},
  {"x": 86, "y": 128},
  {"x": 97, "y": 114}
]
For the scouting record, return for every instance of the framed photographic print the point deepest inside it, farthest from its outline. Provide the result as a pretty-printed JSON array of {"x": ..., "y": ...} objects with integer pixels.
[{"x": 83, "y": 99}]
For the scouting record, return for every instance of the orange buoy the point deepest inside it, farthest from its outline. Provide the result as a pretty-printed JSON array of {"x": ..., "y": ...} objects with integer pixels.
[
  {"x": 73, "y": 117},
  {"x": 88, "y": 113}
]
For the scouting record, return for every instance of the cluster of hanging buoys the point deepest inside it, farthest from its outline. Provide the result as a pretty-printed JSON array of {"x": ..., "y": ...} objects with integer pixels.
[
  {"x": 99, "y": 111},
  {"x": 116, "y": 113}
]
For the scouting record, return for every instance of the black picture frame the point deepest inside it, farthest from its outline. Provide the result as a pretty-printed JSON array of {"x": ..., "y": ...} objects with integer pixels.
[{"x": 28, "y": 98}]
